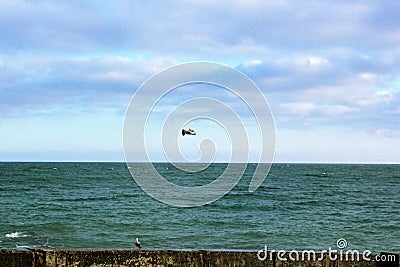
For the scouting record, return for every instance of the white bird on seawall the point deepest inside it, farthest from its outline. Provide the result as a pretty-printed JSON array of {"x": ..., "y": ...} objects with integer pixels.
[{"x": 137, "y": 243}]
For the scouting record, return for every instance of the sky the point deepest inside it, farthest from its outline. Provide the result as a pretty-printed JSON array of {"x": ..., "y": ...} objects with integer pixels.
[{"x": 330, "y": 71}]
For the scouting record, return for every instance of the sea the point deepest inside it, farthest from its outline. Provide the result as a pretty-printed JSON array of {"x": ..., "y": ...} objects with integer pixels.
[{"x": 298, "y": 207}]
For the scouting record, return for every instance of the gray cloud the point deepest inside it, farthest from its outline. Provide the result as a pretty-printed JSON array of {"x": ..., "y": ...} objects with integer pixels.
[
  {"x": 33, "y": 83},
  {"x": 196, "y": 28}
]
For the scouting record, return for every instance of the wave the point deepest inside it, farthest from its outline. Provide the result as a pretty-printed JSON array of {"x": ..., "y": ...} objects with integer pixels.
[
  {"x": 16, "y": 235},
  {"x": 322, "y": 174},
  {"x": 86, "y": 198}
]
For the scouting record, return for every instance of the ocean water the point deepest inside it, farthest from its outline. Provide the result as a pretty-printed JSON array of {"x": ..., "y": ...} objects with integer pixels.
[{"x": 299, "y": 206}]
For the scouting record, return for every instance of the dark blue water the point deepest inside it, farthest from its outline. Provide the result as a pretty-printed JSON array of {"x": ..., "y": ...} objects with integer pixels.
[{"x": 299, "y": 206}]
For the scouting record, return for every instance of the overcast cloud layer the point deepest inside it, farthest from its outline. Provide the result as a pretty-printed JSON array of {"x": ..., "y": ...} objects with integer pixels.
[{"x": 329, "y": 69}]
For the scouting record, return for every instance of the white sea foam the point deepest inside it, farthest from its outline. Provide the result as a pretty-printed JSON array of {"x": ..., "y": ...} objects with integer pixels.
[{"x": 16, "y": 235}]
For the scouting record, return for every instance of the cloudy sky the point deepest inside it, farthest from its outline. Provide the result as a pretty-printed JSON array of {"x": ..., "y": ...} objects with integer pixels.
[{"x": 330, "y": 71}]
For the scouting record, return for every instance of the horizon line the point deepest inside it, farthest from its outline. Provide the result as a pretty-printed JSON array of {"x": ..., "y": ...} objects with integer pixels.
[{"x": 165, "y": 162}]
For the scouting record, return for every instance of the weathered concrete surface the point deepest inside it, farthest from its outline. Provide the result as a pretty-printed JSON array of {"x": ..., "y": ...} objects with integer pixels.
[
  {"x": 15, "y": 258},
  {"x": 118, "y": 257},
  {"x": 102, "y": 257}
]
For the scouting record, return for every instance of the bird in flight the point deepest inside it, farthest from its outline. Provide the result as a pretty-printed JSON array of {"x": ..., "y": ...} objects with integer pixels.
[{"x": 188, "y": 132}]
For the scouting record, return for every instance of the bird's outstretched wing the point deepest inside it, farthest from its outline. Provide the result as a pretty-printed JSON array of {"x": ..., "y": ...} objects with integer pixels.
[{"x": 188, "y": 132}]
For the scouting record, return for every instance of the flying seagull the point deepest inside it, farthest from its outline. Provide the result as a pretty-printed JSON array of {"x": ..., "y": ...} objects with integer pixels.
[
  {"x": 189, "y": 132},
  {"x": 137, "y": 243}
]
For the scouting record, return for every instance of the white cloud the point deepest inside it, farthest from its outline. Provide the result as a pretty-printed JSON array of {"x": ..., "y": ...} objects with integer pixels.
[
  {"x": 369, "y": 77},
  {"x": 317, "y": 61},
  {"x": 375, "y": 98},
  {"x": 298, "y": 109},
  {"x": 314, "y": 114},
  {"x": 338, "y": 110},
  {"x": 252, "y": 63}
]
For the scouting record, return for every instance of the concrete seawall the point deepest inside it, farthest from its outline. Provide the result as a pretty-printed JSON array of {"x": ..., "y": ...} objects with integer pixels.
[{"x": 118, "y": 257}]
